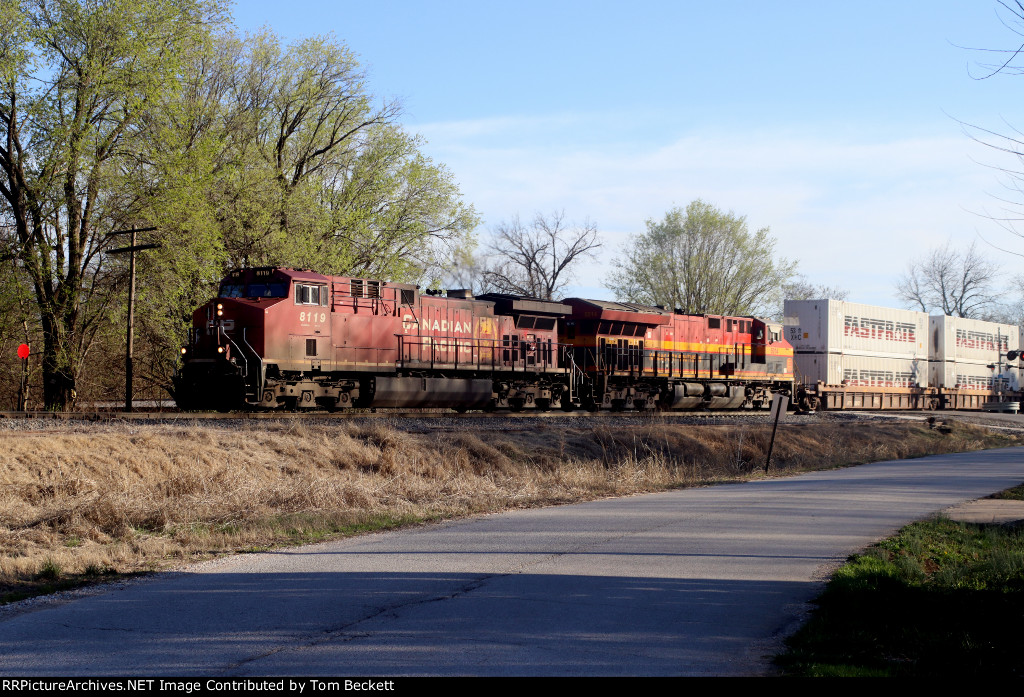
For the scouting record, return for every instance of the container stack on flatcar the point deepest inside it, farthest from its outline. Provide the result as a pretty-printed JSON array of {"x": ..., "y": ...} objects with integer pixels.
[
  {"x": 968, "y": 363},
  {"x": 854, "y": 356}
]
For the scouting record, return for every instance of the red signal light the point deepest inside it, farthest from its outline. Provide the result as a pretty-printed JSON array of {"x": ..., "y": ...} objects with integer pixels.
[{"x": 23, "y": 351}]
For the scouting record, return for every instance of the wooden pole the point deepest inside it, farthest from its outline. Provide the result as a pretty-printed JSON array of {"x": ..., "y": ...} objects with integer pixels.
[{"x": 129, "y": 373}]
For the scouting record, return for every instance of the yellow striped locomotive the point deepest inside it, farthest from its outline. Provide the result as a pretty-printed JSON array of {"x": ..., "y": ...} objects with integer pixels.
[
  {"x": 278, "y": 338},
  {"x": 626, "y": 355}
]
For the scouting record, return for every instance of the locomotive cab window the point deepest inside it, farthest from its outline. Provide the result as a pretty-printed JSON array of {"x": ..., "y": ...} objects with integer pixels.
[
  {"x": 310, "y": 294},
  {"x": 267, "y": 290}
]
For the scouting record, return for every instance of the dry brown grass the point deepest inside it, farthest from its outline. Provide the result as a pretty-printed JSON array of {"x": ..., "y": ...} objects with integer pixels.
[{"x": 81, "y": 504}]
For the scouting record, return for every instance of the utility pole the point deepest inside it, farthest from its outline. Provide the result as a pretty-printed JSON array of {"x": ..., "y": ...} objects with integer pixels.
[{"x": 131, "y": 249}]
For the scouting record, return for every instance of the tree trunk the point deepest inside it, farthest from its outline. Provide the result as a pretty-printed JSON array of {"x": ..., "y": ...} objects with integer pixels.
[{"x": 58, "y": 368}]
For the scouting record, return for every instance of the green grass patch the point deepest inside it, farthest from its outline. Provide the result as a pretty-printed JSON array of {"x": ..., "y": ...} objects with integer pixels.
[
  {"x": 306, "y": 528},
  {"x": 938, "y": 599},
  {"x": 1014, "y": 494}
]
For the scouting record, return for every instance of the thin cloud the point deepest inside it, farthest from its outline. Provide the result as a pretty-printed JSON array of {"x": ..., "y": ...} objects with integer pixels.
[{"x": 853, "y": 210}]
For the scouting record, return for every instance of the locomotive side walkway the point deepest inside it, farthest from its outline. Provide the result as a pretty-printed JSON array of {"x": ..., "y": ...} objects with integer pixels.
[{"x": 692, "y": 582}]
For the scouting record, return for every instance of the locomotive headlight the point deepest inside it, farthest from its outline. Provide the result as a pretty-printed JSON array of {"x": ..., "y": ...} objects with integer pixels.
[
  {"x": 183, "y": 350},
  {"x": 220, "y": 349},
  {"x": 220, "y": 306}
]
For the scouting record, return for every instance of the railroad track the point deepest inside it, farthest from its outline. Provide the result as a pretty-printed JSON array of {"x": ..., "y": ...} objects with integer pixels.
[{"x": 370, "y": 414}]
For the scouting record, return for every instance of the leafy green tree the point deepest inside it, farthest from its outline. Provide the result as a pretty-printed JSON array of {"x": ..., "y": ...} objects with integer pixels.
[
  {"x": 76, "y": 79},
  {"x": 702, "y": 260},
  {"x": 241, "y": 151},
  {"x": 315, "y": 172}
]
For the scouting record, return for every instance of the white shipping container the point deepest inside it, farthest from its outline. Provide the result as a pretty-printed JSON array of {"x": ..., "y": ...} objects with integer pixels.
[
  {"x": 962, "y": 375},
  {"x": 971, "y": 340},
  {"x": 860, "y": 371},
  {"x": 837, "y": 326}
]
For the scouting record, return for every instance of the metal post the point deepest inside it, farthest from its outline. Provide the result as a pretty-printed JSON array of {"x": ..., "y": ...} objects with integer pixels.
[
  {"x": 23, "y": 388},
  {"x": 779, "y": 405}
]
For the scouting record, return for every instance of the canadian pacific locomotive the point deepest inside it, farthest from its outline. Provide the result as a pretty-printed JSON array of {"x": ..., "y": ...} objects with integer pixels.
[{"x": 278, "y": 338}]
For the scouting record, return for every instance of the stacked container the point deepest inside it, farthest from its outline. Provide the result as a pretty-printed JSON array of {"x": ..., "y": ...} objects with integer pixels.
[
  {"x": 842, "y": 343},
  {"x": 961, "y": 351}
]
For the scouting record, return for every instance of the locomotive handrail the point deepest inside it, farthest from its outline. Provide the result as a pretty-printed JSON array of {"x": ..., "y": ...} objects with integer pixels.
[
  {"x": 478, "y": 353},
  {"x": 661, "y": 363},
  {"x": 259, "y": 374},
  {"x": 245, "y": 367}
]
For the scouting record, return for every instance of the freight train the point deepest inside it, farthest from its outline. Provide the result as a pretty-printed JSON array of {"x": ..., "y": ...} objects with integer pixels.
[
  {"x": 285, "y": 339},
  {"x": 278, "y": 338}
]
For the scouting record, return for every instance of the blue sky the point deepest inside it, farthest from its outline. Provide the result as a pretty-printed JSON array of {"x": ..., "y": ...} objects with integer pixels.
[{"x": 836, "y": 125}]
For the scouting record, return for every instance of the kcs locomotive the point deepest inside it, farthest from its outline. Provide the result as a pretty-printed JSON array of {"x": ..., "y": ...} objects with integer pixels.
[{"x": 278, "y": 338}]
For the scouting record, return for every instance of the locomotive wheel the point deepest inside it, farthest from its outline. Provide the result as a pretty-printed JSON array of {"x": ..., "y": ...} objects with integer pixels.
[
  {"x": 543, "y": 405},
  {"x": 516, "y": 404}
]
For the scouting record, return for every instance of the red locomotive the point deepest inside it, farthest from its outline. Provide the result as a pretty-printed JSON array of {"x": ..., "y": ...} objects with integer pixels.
[
  {"x": 639, "y": 356},
  {"x": 281, "y": 338}
]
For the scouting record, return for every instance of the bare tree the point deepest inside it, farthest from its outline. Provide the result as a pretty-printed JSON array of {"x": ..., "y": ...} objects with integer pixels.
[
  {"x": 958, "y": 283},
  {"x": 537, "y": 260},
  {"x": 1008, "y": 140},
  {"x": 800, "y": 288}
]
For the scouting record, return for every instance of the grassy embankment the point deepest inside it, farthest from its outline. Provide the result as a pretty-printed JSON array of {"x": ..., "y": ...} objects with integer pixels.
[
  {"x": 940, "y": 598},
  {"x": 87, "y": 503}
]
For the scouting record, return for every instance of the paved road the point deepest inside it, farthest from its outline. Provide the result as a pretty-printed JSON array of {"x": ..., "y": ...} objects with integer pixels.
[{"x": 695, "y": 582}]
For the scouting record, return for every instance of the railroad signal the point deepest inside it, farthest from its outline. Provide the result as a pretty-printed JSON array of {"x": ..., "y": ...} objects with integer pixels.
[{"x": 23, "y": 353}]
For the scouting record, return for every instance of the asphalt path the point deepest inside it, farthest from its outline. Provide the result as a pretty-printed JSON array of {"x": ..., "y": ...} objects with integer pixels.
[{"x": 695, "y": 582}]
